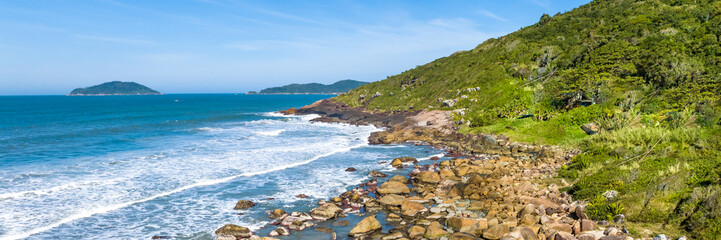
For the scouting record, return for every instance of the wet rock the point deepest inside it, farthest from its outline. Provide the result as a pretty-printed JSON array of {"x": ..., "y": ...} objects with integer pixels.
[
  {"x": 301, "y": 196},
  {"x": 341, "y": 223},
  {"x": 495, "y": 232},
  {"x": 277, "y": 214},
  {"x": 392, "y": 217},
  {"x": 416, "y": 231},
  {"x": 411, "y": 208},
  {"x": 224, "y": 237},
  {"x": 428, "y": 177},
  {"x": 279, "y": 231},
  {"x": 435, "y": 231},
  {"x": 366, "y": 226},
  {"x": 324, "y": 229},
  {"x": 350, "y": 169},
  {"x": 407, "y": 159},
  {"x": 244, "y": 204},
  {"x": 397, "y": 163},
  {"x": 234, "y": 230},
  {"x": 393, "y": 188},
  {"x": 398, "y": 178},
  {"x": 377, "y": 174},
  {"x": 462, "y": 236},
  {"x": 392, "y": 199},
  {"x": 325, "y": 211}
]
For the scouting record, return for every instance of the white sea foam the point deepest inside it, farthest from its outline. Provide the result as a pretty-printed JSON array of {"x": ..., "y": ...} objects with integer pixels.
[
  {"x": 270, "y": 133},
  {"x": 149, "y": 176},
  {"x": 440, "y": 155}
]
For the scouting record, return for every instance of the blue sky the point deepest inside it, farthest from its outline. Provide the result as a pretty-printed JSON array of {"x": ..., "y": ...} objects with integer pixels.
[{"x": 223, "y": 46}]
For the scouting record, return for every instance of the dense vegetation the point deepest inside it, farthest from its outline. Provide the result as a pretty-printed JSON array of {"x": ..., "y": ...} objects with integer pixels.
[
  {"x": 115, "y": 88},
  {"x": 337, "y": 87},
  {"x": 648, "y": 73}
]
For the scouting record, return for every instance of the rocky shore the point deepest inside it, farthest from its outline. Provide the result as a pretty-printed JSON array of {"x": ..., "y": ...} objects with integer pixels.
[{"x": 489, "y": 188}]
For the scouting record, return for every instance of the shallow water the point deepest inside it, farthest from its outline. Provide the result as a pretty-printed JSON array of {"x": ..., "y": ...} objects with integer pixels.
[{"x": 133, "y": 167}]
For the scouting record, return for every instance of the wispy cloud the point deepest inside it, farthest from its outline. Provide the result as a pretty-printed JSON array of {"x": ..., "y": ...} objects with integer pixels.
[
  {"x": 492, "y": 15},
  {"x": 116, "y": 40}
]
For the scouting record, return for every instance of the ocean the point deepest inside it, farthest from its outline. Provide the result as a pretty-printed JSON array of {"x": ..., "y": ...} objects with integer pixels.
[{"x": 134, "y": 167}]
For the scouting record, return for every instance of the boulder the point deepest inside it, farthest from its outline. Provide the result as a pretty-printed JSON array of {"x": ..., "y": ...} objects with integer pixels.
[
  {"x": 325, "y": 211},
  {"x": 301, "y": 196},
  {"x": 393, "y": 188},
  {"x": 587, "y": 225},
  {"x": 462, "y": 236},
  {"x": 527, "y": 233},
  {"x": 563, "y": 236},
  {"x": 495, "y": 232},
  {"x": 461, "y": 224},
  {"x": 392, "y": 199},
  {"x": 579, "y": 213},
  {"x": 277, "y": 214},
  {"x": 435, "y": 231},
  {"x": 428, "y": 177},
  {"x": 411, "y": 208},
  {"x": 398, "y": 178},
  {"x": 366, "y": 226},
  {"x": 392, "y": 217},
  {"x": 416, "y": 231},
  {"x": 234, "y": 230},
  {"x": 377, "y": 174},
  {"x": 244, "y": 204},
  {"x": 350, "y": 169},
  {"x": 221, "y": 237},
  {"x": 590, "y": 128},
  {"x": 407, "y": 159},
  {"x": 397, "y": 163}
]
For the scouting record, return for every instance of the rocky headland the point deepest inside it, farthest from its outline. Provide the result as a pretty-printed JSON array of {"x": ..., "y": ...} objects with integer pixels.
[{"x": 489, "y": 188}]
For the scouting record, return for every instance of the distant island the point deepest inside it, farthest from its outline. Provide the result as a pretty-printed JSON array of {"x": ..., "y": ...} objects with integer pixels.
[
  {"x": 114, "y": 88},
  {"x": 314, "y": 88}
]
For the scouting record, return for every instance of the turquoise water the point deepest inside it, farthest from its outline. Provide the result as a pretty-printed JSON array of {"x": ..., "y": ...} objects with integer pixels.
[{"x": 134, "y": 167}]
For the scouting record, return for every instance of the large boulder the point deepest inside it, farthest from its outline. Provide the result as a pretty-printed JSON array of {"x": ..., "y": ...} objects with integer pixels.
[
  {"x": 366, "y": 226},
  {"x": 459, "y": 224},
  {"x": 244, "y": 204},
  {"x": 435, "y": 231},
  {"x": 416, "y": 231},
  {"x": 407, "y": 159},
  {"x": 392, "y": 199},
  {"x": 495, "y": 232},
  {"x": 398, "y": 178},
  {"x": 377, "y": 174},
  {"x": 325, "y": 211},
  {"x": 277, "y": 214},
  {"x": 462, "y": 236},
  {"x": 428, "y": 177},
  {"x": 393, "y": 188},
  {"x": 411, "y": 208},
  {"x": 234, "y": 230}
]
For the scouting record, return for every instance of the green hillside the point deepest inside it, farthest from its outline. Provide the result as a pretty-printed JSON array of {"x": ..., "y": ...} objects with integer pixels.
[
  {"x": 648, "y": 73},
  {"x": 337, "y": 87},
  {"x": 115, "y": 88}
]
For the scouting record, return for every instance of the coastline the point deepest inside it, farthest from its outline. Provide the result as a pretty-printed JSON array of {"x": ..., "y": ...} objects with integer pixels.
[{"x": 490, "y": 188}]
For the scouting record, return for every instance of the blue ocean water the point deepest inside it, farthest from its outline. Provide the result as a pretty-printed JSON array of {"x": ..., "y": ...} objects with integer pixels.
[{"x": 134, "y": 167}]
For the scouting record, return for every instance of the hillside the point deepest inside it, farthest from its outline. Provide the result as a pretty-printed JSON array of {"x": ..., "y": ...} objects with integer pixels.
[
  {"x": 114, "y": 88},
  {"x": 645, "y": 74},
  {"x": 317, "y": 88}
]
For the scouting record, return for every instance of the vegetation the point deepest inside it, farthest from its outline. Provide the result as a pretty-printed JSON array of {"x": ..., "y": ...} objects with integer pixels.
[
  {"x": 115, "y": 88},
  {"x": 648, "y": 73},
  {"x": 337, "y": 87}
]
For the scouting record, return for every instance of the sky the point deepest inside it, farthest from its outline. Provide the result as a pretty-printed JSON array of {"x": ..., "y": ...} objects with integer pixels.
[{"x": 223, "y": 46}]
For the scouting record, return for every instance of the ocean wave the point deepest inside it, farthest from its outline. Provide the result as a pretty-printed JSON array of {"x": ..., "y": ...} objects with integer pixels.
[
  {"x": 56, "y": 189},
  {"x": 271, "y": 133},
  {"x": 90, "y": 212}
]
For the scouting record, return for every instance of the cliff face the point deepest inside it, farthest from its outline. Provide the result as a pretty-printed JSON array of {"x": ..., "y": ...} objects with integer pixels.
[{"x": 114, "y": 88}]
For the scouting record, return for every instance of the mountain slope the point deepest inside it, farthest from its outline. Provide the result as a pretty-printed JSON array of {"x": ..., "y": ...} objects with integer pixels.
[
  {"x": 647, "y": 73},
  {"x": 115, "y": 88},
  {"x": 337, "y": 87}
]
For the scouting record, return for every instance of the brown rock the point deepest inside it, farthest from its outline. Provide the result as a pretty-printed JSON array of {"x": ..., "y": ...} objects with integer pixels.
[
  {"x": 495, "y": 232},
  {"x": 461, "y": 224},
  {"x": 301, "y": 196},
  {"x": 324, "y": 229},
  {"x": 410, "y": 208},
  {"x": 398, "y": 178},
  {"x": 428, "y": 177},
  {"x": 341, "y": 223},
  {"x": 392, "y": 199},
  {"x": 325, "y": 212},
  {"x": 462, "y": 236},
  {"x": 579, "y": 213},
  {"x": 406, "y": 159},
  {"x": 392, "y": 217},
  {"x": 366, "y": 226},
  {"x": 587, "y": 225},
  {"x": 435, "y": 230},
  {"x": 244, "y": 204},
  {"x": 563, "y": 236},
  {"x": 234, "y": 230},
  {"x": 277, "y": 214},
  {"x": 377, "y": 174},
  {"x": 393, "y": 188},
  {"x": 561, "y": 227},
  {"x": 416, "y": 231},
  {"x": 397, "y": 163},
  {"x": 527, "y": 233},
  {"x": 350, "y": 169}
]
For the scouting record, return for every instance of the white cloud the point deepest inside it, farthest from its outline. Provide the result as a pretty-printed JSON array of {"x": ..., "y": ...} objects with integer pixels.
[{"x": 492, "y": 15}]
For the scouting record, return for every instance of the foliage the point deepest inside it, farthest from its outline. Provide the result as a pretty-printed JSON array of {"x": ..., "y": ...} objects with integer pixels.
[
  {"x": 337, "y": 87},
  {"x": 115, "y": 88},
  {"x": 647, "y": 72}
]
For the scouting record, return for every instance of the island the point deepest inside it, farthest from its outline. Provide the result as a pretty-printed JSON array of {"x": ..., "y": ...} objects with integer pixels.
[
  {"x": 114, "y": 88},
  {"x": 314, "y": 88}
]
